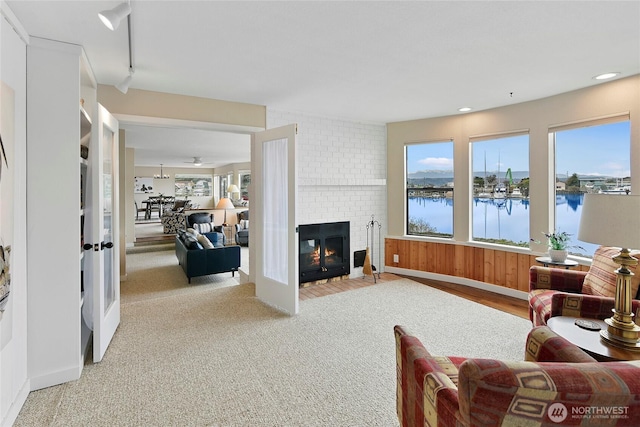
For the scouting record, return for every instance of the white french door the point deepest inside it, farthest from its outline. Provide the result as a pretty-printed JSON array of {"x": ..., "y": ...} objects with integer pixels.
[
  {"x": 275, "y": 222},
  {"x": 102, "y": 296}
]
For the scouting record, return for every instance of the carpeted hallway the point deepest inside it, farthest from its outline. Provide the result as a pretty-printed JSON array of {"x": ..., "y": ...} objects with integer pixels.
[{"x": 211, "y": 354}]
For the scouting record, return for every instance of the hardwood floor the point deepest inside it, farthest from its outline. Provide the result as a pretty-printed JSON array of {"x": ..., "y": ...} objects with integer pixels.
[{"x": 511, "y": 305}]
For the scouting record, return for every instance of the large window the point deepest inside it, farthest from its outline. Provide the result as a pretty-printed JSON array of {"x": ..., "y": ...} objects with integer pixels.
[
  {"x": 591, "y": 158},
  {"x": 245, "y": 180},
  {"x": 500, "y": 199},
  {"x": 429, "y": 183}
]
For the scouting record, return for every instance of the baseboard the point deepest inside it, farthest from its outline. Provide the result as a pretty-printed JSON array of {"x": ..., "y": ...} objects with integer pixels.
[
  {"x": 16, "y": 406},
  {"x": 55, "y": 378},
  {"x": 459, "y": 281}
]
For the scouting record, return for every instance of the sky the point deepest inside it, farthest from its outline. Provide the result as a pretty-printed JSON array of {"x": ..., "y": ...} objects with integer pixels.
[{"x": 594, "y": 150}]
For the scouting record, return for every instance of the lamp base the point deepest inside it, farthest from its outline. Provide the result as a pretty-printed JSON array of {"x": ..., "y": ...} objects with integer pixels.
[
  {"x": 621, "y": 329},
  {"x": 631, "y": 344}
]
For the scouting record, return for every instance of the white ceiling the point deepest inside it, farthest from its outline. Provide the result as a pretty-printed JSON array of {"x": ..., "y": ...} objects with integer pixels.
[{"x": 375, "y": 62}]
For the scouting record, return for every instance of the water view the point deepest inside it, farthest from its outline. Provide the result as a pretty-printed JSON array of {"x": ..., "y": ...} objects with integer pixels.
[{"x": 501, "y": 219}]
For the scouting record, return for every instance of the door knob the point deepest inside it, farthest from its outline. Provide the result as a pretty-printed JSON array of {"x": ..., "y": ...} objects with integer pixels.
[{"x": 107, "y": 245}]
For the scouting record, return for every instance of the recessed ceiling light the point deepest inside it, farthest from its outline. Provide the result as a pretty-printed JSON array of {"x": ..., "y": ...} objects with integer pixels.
[
  {"x": 464, "y": 109},
  {"x": 606, "y": 76}
]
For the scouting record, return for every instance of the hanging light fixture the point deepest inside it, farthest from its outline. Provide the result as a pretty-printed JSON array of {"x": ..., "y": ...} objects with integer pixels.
[
  {"x": 111, "y": 18},
  {"x": 161, "y": 175},
  {"x": 123, "y": 86}
]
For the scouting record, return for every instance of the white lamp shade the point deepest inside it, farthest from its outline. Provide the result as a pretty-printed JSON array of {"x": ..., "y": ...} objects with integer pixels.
[
  {"x": 233, "y": 189},
  {"x": 123, "y": 86},
  {"x": 610, "y": 220},
  {"x": 225, "y": 203},
  {"x": 111, "y": 18}
]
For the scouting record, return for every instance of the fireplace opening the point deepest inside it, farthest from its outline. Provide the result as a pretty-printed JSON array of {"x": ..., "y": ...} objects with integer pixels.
[{"x": 324, "y": 251}]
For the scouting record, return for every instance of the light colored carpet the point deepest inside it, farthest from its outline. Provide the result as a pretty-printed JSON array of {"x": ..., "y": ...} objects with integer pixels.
[
  {"x": 209, "y": 355},
  {"x": 148, "y": 229}
]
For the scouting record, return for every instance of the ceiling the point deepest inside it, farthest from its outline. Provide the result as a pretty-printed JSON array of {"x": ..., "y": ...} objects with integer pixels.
[{"x": 374, "y": 62}]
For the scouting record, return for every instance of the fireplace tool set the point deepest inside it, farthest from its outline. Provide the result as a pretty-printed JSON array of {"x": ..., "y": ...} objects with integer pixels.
[{"x": 368, "y": 268}]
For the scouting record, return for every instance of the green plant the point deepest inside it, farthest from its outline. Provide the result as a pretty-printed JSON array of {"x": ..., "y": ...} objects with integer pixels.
[{"x": 559, "y": 241}]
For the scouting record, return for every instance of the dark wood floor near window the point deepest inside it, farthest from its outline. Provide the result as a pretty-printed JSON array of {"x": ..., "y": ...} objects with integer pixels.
[
  {"x": 511, "y": 305},
  {"x": 515, "y": 306}
]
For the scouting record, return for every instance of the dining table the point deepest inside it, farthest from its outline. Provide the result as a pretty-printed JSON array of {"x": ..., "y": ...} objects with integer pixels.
[{"x": 158, "y": 203}]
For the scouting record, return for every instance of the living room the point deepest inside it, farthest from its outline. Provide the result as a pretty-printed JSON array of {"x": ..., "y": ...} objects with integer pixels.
[{"x": 351, "y": 169}]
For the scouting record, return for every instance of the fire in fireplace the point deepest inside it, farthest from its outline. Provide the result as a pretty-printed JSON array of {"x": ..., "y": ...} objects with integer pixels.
[{"x": 324, "y": 250}]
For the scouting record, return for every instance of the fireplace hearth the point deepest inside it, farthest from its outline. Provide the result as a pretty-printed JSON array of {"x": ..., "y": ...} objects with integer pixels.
[{"x": 324, "y": 251}]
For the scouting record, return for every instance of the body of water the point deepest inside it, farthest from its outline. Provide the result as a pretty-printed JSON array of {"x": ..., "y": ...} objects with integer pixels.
[{"x": 506, "y": 219}]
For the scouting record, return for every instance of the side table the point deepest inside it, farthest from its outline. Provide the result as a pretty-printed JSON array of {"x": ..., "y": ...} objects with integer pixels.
[
  {"x": 589, "y": 340},
  {"x": 547, "y": 261},
  {"x": 229, "y": 234}
]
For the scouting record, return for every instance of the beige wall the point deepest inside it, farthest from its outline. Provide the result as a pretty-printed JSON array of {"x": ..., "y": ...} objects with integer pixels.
[
  {"x": 180, "y": 107},
  {"x": 616, "y": 97}
]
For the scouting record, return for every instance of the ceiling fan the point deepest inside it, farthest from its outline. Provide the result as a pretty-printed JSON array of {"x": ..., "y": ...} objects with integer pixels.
[{"x": 197, "y": 161}]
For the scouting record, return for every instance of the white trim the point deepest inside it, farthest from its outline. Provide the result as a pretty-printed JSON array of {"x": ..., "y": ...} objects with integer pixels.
[
  {"x": 459, "y": 281},
  {"x": 16, "y": 405},
  {"x": 594, "y": 121},
  {"x": 496, "y": 135},
  {"x": 13, "y": 20},
  {"x": 130, "y": 119},
  {"x": 55, "y": 378}
]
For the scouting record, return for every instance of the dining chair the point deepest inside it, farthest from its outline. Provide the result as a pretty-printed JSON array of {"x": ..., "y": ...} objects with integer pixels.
[{"x": 138, "y": 210}]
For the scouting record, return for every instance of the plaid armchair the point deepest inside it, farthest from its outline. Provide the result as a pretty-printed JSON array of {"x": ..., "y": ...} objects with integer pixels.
[
  {"x": 559, "y": 292},
  {"x": 556, "y": 380}
]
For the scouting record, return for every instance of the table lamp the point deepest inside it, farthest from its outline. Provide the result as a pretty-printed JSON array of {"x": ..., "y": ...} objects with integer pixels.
[
  {"x": 611, "y": 220},
  {"x": 232, "y": 189},
  {"x": 225, "y": 204}
]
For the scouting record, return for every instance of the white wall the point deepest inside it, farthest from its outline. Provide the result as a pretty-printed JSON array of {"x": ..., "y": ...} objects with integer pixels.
[
  {"x": 14, "y": 384},
  {"x": 341, "y": 175}
]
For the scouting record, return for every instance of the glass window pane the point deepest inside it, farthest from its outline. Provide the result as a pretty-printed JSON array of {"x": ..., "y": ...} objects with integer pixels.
[
  {"x": 275, "y": 212},
  {"x": 429, "y": 182},
  {"x": 589, "y": 159},
  {"x": 500, "y": 205}
]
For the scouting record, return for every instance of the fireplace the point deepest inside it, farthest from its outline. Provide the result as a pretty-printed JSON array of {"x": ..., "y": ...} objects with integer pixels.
[{"x": 324, "y": 251}]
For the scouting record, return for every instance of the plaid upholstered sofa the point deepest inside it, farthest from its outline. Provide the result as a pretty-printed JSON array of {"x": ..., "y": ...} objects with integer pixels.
[
  {"x": 557, "y": 384},
  {"x": 559, "y": 292}
]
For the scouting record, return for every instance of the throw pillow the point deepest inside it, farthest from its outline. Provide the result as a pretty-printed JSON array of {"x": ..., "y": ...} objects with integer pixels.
[
  {"x": 601, "y": 277},
  {"x": 217, "y": 239},
  {"x": 205, "y": 227},
  {"x": 204, "y": 241},
  {"x": 191, "y": 242},
  {"x": 244, "y": 224},
  {"x": 192, "y": 231}
]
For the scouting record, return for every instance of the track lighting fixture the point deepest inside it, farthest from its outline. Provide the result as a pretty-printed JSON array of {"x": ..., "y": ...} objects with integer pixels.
[
  {"x": 123, "y": 86},
  {"x": 111, "y": 18}
]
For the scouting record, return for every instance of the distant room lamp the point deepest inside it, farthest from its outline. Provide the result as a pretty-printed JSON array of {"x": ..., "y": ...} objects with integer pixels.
[
  {"x": 613, "y": 220},
  {"x": 225, "y": 204},
  {"x": 111, "y": 18},
  {"x": 232, "y": 189}
]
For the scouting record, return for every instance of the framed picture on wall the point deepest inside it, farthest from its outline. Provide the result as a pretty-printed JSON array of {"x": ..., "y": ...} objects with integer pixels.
[
  {"x": 143, "y": 184},
  {"x": 194, "y": 185}
]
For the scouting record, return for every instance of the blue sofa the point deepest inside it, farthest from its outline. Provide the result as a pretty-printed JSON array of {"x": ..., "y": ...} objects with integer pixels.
[{"x": 197, "y": 261}]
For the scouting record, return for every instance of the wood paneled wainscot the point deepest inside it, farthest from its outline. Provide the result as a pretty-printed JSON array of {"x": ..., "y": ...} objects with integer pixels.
[{"x": 493, "y": 266}]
